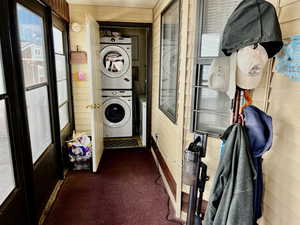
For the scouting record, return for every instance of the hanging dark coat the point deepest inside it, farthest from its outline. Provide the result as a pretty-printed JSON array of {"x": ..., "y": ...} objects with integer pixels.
[
  {"x": 252, "y": 22},
  {"x": 231, "y": 199}
]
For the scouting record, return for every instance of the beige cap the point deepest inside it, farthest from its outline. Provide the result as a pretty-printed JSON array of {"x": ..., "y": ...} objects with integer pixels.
[
  {"x": 251, "y": 62},
  {"x": 222, "y": 75}
]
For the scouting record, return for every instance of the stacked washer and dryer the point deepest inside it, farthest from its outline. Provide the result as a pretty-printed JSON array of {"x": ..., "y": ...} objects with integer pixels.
[{"x": 116, "y": 72}]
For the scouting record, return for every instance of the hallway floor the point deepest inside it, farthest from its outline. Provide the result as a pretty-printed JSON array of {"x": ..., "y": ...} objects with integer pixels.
[{"x": 122, "y": 192}]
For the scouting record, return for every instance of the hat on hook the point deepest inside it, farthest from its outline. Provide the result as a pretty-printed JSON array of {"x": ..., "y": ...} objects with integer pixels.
[
  {"x": 259, "y": 129},
  {"x": 222, "y": 75},
  {"x": 251, "y": 61},
  {"x": 253, "y": 22}
]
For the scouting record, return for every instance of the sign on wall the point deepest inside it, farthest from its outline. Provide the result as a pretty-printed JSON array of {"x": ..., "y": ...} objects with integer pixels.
[{"x": 288, "y": 60}]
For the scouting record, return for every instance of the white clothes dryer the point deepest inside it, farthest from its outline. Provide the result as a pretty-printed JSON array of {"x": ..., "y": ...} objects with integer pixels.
[
  {"x": 116, "y": 63},
  {"x": 117, "y": 113}
]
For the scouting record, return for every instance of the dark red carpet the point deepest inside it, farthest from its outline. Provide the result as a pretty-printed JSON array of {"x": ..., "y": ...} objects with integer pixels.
[{"x": 123, "y": 192}]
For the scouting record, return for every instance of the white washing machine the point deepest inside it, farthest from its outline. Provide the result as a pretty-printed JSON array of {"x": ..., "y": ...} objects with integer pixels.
[
  {"x": 116, "y": 63},
  {"x": 117, "y": 110}
]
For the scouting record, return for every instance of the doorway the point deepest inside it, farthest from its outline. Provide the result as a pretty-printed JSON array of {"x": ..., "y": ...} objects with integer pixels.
[{"x": 126, "y": 58}]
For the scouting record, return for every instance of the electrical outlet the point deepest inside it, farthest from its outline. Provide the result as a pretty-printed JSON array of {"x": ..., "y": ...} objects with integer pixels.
[{"x": 156, "y": 136}]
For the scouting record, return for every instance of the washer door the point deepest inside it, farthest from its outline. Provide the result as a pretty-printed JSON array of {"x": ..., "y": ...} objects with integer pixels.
[
  {"x": 116, "y": 112},
  {"x": 114, "y": 61}
]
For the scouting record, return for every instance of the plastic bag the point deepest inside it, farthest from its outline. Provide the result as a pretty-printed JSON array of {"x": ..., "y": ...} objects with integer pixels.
[{"x": 80, "y": 151}]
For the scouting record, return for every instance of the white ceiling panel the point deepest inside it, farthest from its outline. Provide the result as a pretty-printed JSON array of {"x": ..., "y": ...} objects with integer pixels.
[{"x": 117, "y": 3}]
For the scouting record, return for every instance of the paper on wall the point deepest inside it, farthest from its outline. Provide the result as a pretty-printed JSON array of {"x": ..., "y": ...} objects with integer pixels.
[{"x": 288, "y": 59}]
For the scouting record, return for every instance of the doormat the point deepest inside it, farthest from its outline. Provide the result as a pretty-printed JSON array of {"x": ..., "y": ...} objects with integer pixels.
[{"x": 120, "y": 143}]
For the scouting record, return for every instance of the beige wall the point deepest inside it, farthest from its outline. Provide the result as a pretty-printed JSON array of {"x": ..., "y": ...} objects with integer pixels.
[
  {"x": 81, "y": 89},
  {"x": 281, "y": 165},
  {"x": 170, "y": 135},
  {"x": 116, "y": 14}
]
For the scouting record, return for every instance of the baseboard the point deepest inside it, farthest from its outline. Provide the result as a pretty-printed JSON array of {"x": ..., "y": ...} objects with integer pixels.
[
  {"x": 165, "y": 169},
  {"x": 51, "y": 201}
]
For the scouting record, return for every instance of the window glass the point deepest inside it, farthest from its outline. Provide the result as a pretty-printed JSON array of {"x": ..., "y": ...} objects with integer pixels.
[
  {"x": 63, "y": 116},
  {"x": 31, "y": 32},
  {"x": 211, "y": 122},
  {"x": 216, "y": 13},
  {"x": 169, "y": 60},
  {"x": 214, "y": 100},
  {"x": 39, "y": 120},
  {"x": 61, "y": 69},
  {"x": 31, "y": 28},
  {"x": 2, "y": 85},
  {"x": 212, "y": 109},
  {"x": 7, "y": 180},
  {"x": 61, "y": 77},
  {"x": 62, "y": 89},
  {"x": 58, "y": 41}
]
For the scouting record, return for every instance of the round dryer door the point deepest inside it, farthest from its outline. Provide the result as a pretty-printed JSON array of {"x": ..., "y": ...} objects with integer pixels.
[
  {"x": 114, "y": 61},
  {"x": 116, "y": 112}
]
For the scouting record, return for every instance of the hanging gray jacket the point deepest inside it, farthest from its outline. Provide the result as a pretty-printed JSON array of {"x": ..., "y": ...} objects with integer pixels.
[
  {"x": 231, "y": 199},
  {"x": 253, "y": 22}
]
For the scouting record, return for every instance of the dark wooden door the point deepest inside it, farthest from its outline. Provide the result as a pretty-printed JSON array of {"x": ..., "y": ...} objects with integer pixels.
[{"x": 15, "y": 189}]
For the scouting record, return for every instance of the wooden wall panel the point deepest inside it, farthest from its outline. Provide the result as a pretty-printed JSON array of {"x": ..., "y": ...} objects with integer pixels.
[
  {"x": 169, "y": 135},
  {"x": 281, "y": 165},
  {"x": 60, "y": 7}
]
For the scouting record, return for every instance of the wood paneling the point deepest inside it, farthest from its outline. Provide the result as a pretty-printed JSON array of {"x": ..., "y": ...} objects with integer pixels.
[
  {"x": 169, "y": 135},
  {"x": 281, "y": 201},
  {"x": 60, "y": 7}
]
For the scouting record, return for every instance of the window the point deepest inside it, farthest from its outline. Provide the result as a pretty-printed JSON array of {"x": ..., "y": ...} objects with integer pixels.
[
  {"x": 7, "y": 179},
  {"x": 169, "y": 59},
  {"x": 212, "y": 109},
  {"x": 31, "y": 28},
  {"x": 61, "y": 77},
  {"x": 37, "y": 52}
]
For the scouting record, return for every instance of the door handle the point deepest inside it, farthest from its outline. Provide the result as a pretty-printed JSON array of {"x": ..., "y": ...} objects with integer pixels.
[
  {"x": 90, "y": 106},
  {"x": 94, "y": 106}
]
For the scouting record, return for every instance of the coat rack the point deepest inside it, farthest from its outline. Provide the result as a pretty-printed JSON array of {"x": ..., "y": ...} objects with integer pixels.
[{"x": 194, "y": 216}]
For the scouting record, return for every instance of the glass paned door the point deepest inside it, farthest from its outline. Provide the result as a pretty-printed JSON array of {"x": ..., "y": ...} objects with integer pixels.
[
  {"x": 61, "y": 77},
  {"x": 31, "y": 32},
  {"x": 7, "y": 179}
]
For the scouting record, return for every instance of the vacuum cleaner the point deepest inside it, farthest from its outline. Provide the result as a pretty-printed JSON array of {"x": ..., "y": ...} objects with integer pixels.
[{"x": 195, "y": 175}]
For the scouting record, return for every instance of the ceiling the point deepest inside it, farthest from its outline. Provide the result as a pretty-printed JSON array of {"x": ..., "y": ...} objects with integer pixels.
[{"x": 117, "y": 3}]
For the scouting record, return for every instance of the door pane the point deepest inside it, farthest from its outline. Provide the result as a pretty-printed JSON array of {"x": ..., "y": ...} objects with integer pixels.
[
  {"x": 39, "y": 120},
  {"x": 63, "y": 116},
  {"x": 31, "y": 30},
  {"x": 7, "y": 180},
  {"x": 61, "y": 77},
  {"x": 58, "y": 41},
  {"x": 62, "y": 91},
  {"x": 61, "y": 69}
]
